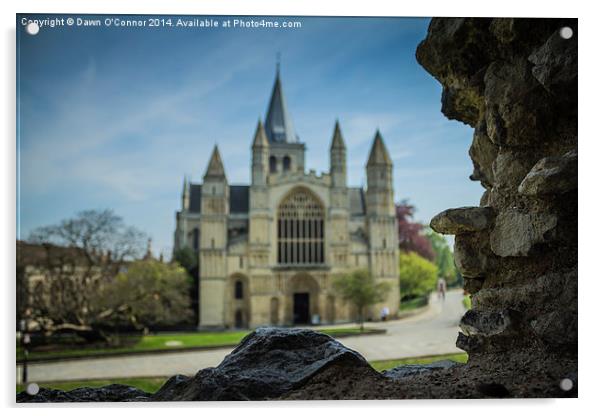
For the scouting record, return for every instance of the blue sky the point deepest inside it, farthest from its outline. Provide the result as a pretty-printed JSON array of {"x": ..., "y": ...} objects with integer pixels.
[{"x": 115, "y": 117}]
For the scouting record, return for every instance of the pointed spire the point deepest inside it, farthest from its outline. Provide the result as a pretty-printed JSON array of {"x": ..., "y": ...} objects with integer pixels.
[
  {"x": 186, "y": 194},
  {"x": 260, "y": 139},
  {"x": 216, "y": 167},
  {"x": 379, "y": 155},
  {"x": 337, "y": 138},
  {"x": 278, "y": 122}
]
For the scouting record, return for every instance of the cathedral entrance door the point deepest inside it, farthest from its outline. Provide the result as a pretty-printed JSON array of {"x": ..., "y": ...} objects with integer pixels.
[{"x": 301, "y": 308}]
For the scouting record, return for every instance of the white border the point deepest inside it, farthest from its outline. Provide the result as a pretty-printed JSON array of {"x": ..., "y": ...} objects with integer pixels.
[{"x": 590, "y": 278}]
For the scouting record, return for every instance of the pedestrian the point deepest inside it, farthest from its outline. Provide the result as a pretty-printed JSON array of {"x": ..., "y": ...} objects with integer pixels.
[
  {"x": 384, "y": 313},
  {"x": 441, "y": 288}
]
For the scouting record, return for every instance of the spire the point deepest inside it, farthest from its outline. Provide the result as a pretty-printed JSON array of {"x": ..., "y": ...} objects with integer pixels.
[
  {"x": 278, "y": 122},
  {"x": 379, "y": 154},
  {"x": 337, "y": 138},
  {"x": 260, "y": 139},
  {"x": 216, "y": 167},
  {"x": 186, "y": 195}
]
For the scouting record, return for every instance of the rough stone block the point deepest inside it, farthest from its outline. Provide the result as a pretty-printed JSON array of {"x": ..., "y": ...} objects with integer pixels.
[
  {"x": 551, "y": 175},
  {"x": 516, "y": 233},
  {"x": 462, "y": 220}
]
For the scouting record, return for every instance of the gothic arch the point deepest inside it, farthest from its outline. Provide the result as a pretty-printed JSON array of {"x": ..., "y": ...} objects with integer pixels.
[
  {"x": 306, "y": 286},
  {"x": 300, "y": 228}
]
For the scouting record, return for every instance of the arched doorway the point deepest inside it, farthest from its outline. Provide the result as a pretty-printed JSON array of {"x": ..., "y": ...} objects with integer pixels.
[
  {"x": 239, "y": 319},
  {"x": 302, "y": 299}
]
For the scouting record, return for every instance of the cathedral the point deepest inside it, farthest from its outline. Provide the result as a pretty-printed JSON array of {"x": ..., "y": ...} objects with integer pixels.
[{"x": 268, "y": 252}]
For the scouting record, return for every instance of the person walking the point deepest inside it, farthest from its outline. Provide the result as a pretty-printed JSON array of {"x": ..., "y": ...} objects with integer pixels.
[{"x": 441, "y": 288}]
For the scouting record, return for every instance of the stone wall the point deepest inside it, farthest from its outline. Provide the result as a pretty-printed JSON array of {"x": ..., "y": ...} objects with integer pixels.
[{"x": 515, "y": 82}]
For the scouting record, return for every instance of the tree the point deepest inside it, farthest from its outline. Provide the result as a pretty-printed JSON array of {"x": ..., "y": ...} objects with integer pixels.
[
  {"x": 417, "y": 276},
  {"x": 361, "y": 290},
  {"x": 148, "y": 293},
  {"x": 411, "y": 234},
  {"x": 444, "y": 258},
  {"x": 187, "y": 258},
  {"x": 77, "y": 257}
]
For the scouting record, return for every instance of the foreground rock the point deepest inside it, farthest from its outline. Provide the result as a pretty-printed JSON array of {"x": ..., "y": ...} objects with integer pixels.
[
  {"x": 268, "y": 363},
  {"x": 110, "y": 393}
]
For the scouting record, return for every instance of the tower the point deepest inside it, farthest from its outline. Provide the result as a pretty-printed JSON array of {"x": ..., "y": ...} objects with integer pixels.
[
  {"x": 287, "y": 153},
  {"x": 381, "y": 222},
  {"x": 339, "y": 202},
  {"x": 215, "y": 197}
]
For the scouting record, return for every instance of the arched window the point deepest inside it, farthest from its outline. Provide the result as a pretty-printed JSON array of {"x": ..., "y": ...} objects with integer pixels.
[
  {"x": 286, "y": 164},
  {"x": 300, "y": 230},
  {"x": 238, "y": 290},
  {"x": 273, "y": 164}
]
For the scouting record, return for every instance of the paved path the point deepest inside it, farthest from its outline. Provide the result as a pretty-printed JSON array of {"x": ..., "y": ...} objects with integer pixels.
[{"x": 429, "y": 333}]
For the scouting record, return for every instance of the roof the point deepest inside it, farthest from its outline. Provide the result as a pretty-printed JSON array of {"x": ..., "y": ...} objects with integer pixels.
[
  {"x": 239, "y": 199},
  {"x": 379, "y": 155},
  {"x": 278, "y": 122},
  {"x": 260, "y": 139},
  {"x": 357, "y": 202},
  {"x": 216, "y": 167},
  {"x": 337, "y": 138},
  {"x": 195, "y": 197}
]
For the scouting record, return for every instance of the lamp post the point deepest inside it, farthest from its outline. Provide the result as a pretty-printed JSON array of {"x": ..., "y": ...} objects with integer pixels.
[{"x": 25, "y": 340}]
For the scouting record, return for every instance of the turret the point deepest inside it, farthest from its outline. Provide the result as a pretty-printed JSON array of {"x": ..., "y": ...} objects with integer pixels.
[
  {"x": 381, "y": 223},
  {"x": 338, "y": 159},
  {"x": 379, "y": 171},
  {"x": 215, "y": 190},
  {"x": 260, "y": 159},
  {"x": 215, "y": 207}
]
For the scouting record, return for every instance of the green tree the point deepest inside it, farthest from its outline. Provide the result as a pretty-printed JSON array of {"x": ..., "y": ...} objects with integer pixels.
[
  {"x": 361, "y": 290},
  {"x": 417, "y": 276},
  {"x": 444, "y": 258},
  {"x": 148, "y": 293},
  {"x": 187, "y": 258}
]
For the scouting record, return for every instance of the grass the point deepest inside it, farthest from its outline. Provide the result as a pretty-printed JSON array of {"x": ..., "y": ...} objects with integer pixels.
[
  {"x": 466, "y": 302},
  {"x": 156, "y": 342},
  {"x": 388, "y": 364},
  {"x": 412, "y": 304},
  {"x": 153, "y": 384}
]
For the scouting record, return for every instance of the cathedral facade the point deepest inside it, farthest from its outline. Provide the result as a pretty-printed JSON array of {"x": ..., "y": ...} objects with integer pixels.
[{"x": 268, "y": 252}]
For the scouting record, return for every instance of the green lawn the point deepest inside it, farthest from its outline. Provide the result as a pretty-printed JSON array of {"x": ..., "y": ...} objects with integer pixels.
[
  {"x": 167, "y": 342},
  {"x": 466, "y": 302},
  {"x": 151, "y": 385},
  {"x": 412, "y": 304}
]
